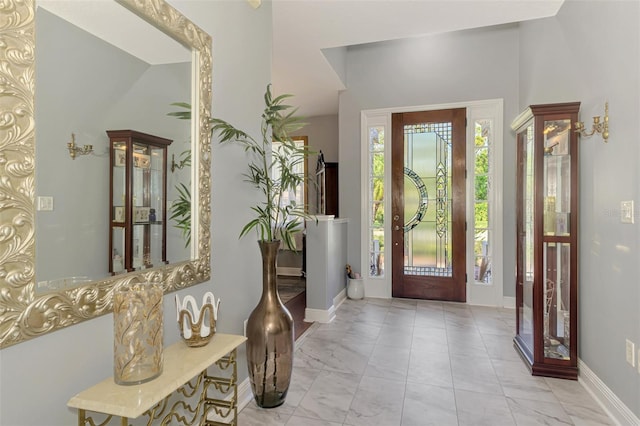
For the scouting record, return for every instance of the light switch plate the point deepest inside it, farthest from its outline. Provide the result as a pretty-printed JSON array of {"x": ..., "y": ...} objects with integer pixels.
[
  {"x": 626, "y": 211},
  {"x": 45, "y": 204}
]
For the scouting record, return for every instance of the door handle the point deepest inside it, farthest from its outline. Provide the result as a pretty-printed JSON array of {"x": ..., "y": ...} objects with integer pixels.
[{"x": 397, "y": 228}]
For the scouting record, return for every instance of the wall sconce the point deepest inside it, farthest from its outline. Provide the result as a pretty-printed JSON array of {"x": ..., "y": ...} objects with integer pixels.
[
  {"x": 598, "y": 127},
  {"x": 78, "y": 150},
  {"x": 185, "y": 161}
]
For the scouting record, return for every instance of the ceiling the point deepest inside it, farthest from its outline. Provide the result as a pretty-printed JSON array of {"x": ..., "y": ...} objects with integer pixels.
[
  {"x": 310, "y": 37},
  {"x": 131, "y": 34}
]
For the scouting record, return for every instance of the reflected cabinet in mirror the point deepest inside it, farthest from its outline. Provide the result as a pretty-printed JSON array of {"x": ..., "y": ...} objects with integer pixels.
[
  {"x": 547, "y": 240},
  {"x": 57, "y": 266},
  {"x": 138, "y": 194}
]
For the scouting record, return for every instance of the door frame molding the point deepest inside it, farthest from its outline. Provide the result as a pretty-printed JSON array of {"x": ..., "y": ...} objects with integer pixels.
[{"x": 477, "y": 294}]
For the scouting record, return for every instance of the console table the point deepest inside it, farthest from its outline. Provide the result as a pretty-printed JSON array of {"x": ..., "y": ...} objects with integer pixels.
[{"x": 184, "y": 373}]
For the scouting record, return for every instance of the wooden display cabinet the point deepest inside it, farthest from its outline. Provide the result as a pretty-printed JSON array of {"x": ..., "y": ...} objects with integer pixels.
[
  {"x": 138, "y": 201},
  {"x": 326, "y": 187},
  {"x": 547, "y": 239}
]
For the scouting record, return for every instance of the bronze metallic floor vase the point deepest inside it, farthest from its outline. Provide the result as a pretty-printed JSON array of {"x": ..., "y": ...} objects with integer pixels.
[{"x": 270, "y": 337}]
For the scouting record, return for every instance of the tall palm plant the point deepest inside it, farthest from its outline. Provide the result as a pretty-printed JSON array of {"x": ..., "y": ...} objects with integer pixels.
[{"x": 275, "y": 218}]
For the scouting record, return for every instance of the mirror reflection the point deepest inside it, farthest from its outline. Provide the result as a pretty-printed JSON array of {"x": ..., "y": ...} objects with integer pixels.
[
  {"x": 31, "y": 313},
  {"x": 88, "y": 85}
]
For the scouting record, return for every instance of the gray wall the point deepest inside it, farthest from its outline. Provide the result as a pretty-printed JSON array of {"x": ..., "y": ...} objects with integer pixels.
[
  {"x": 456, "y": 67},
  {"x": 73, "y": 70},
  {"x": 589, "y": 52},
  {"x": 326, "y": 261},
  {"x": 39, "y": 376}
]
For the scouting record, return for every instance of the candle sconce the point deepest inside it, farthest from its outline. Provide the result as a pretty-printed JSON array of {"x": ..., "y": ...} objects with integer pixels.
[
  {"x": 185, "y": 160},
  {"x": 598, "y": 126},
  {"x": 75, "y": 150}
]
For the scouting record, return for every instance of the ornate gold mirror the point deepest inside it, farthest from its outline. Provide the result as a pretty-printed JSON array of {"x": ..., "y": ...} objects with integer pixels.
[{"x": 25, "y": 313}]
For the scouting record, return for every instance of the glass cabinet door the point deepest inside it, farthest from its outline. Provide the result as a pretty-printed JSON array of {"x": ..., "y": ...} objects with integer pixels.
[
  {"x": 556, "y": 254},
  {"x": 556, "y": 316},
  {"x": 157, "y": 204},
  {"x": 557, "y": 177},
  {"x": 526, "y": 240},
  {"x": 118, "y": 203},
  {"x": 141, "y": 209}
]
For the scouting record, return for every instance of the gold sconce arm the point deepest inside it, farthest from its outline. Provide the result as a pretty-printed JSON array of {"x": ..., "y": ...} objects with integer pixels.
[
  {"x": 185, "y": 160},
  {"x": 78, "y": 150},
  {"x": 174, "y": 165},
  {"x": 598, "y": 126}
]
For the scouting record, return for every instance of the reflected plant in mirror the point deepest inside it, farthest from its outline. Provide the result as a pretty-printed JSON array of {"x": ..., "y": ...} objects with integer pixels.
[{"x": 181, "y": 207}]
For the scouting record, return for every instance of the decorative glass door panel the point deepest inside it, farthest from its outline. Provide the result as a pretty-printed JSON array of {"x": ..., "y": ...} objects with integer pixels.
[
  {"x": 482, "y": 227},
  {"x": 376, "y": 198},
  {"x": 428, "y": 223},
  {"x": 427, "y": 172}
]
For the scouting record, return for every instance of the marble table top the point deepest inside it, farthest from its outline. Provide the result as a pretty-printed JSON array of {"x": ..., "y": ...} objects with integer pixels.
[{"x": 181, "y": 364}]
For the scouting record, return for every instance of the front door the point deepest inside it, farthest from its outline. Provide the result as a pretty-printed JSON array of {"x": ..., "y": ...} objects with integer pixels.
[{"x": 428, "y": 205}]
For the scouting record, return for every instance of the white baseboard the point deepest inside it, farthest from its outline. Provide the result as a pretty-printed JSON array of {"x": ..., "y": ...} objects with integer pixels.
[
  {"x": 376, "y": 288},
  {"x": 288, "y": 271},
  {"x": 611, "y": 404},
  {"x": 509, "y": 302},
  {"x": 319, "y": 315},
  {"x": 245, "y": 395},
  {"x": 340, "y": 298}
]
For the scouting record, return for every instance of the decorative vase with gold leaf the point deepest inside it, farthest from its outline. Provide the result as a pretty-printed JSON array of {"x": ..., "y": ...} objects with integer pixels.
[{"x": 137, "y": 333}]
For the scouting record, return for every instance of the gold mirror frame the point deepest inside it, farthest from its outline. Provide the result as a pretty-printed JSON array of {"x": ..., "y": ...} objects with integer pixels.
[{"x": 23, "y": 314}]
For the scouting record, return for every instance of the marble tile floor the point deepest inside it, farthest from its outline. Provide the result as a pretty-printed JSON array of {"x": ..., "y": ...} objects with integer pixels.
[{"x": 401, "y": 362}]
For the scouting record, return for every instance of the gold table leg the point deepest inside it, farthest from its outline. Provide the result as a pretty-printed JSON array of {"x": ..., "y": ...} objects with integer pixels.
[{"x": 84, "y": 420}]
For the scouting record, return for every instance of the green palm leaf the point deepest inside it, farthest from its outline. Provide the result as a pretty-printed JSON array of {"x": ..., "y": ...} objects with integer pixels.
[{"x": 273, "y": 220}]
